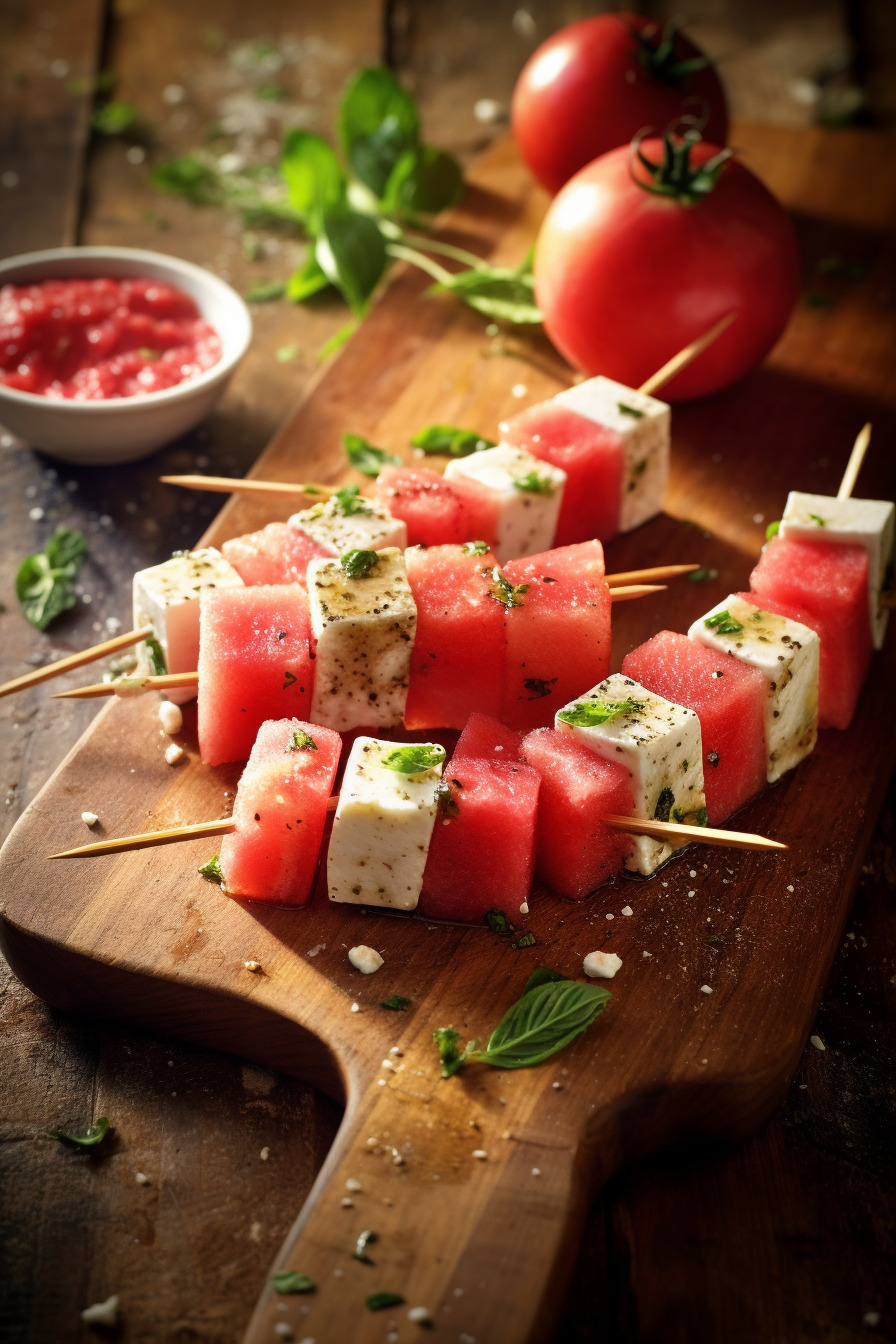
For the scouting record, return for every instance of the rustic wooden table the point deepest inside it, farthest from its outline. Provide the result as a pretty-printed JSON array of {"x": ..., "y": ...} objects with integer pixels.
[{"x": 789, "y": 1238}]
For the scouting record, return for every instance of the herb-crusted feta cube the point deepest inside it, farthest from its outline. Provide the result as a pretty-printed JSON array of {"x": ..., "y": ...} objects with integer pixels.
[
  {"x": 167, "y": 598},
  {"x": 642, "y": 424},
  {"x": 363, "y": 617},
  {"x": 348, "y": 521},
  {"x": 787, "y": 653},
  {"x": 660, "y": 745},
  {"x": 849, "y": 522},
  {"x": 528, "y": 494},
  {"x": 383, "y": 823}
]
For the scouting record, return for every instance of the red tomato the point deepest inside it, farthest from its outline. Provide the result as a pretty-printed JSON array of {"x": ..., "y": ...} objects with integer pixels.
[
  {"x": 626, "y": 278},
  {"x": 595, "y": 85}
]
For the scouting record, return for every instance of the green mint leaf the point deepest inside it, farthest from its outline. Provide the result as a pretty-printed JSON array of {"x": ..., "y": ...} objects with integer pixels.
[
  {"x": 379, "y": 1301},
  {"x": 450, "y": 440},
  {"x": 157, "y": 660},
  {"x": 348, "y": 501},
  {"x": 703, "y": 575},
  {"x": 446, "y": 798},
  {"x": 502, "y": 292},
  {"x": 263, "y": 292},
  {"x": 114, "y": 118},
  {"x": 537, "y": 688},
  {"x": 534, "y": 484},
  {"x": 414, "y": 760},
  {"x": 507, "y": 593},
  {"x": 211, "y": 870},
  {"x": 697, "y": 817},
  {"x": 357, "y": 564},
  {"x": 424, "y": 181},
  {"x": 378, "y": 123},
  {"x": 292, "y": 1281},
  {"x": 365, "y": 457},
  {"x": 475, "y": 548},
  {"x": 723, "y": 623},
  {"x": 542, "y": 976},
  {"x": 301, "y": 741},
  {"x": 772, "y": 530},
  {"x": 313, "y": 175},
  {"x": 306, "y": 281},
  {"x": 629, "y": 410},
  {"x": 452, "y": 1059},
  {"x": 664, "y": 805},
  {"x": 190, "y": 177},
  {"x": 816, "y": 518},
  {"x": 542, "y": 1022},
  {"x": 592, "y": 713},
  {"x": 351, "y": 252},
  {"x": 94, "y": 1135},
  {"x": 365, "y": 1239},
  {"x": 396, "y": 1003},
  {"x": 498, "y": 922},
  {"x": 44, "y": 580}
]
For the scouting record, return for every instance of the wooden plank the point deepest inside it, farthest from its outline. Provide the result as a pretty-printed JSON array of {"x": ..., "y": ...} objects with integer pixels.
[{"x": 751, "y": 1039}]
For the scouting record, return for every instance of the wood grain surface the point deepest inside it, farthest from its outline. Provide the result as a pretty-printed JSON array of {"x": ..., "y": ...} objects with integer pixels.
[{"x": 669, "y": 1061}]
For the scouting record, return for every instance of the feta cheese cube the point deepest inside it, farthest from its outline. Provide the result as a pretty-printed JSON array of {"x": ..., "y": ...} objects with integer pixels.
[
  {"x": 364, "y": 629},
  {"x": 660, "y": 745},
  {"x": 787, "y": 653},
  {"x": 528, "y": 494},
  {"x": 382, "y": 829},
  {"x": 853, "y": 522},
  {"x": 167, "y": 598},
  {"x": 642, "y": 423},
  {"x": 360, "y": 524}
]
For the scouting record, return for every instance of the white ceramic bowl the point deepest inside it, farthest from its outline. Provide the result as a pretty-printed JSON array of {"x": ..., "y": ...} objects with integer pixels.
[{"x": 124, "y": 429}]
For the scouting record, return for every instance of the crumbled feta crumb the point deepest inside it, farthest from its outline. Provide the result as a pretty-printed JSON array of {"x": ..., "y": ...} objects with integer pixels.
[
  {"x": 381, "y": 1082},
  {"x": 692, "y": 893},
  {"x": 353, "y": 1185},
  {"x": 488, "y": 111},
  {"x": 89, "y": 818},
  {"x": 790, "y": 887},
  {"x": 254, "y": 966},
  {"x": 558, "y": 1087},
  {"x": 387, "y": 1064},
  {"x": 172, "y": 94},
  {"x": 365, "y": 959},
  {"x": 627, "y": 910},
  {"x": 420, "y": 1315},
  {"x": 170, "y": 717},
  {"x": 480, "y": 1154},
  {"x": 284, "y": 1330},
  {"x": 102, "y": 1313},
  {"x": 692, "y": 873},
  {"x": 536, "y": 1171},
  {"x": 397, "y": 1159},
  {"x": 173, "y": 754},
  {"x": 706, "y": 989},
  {"x": 524, "y": 908},
  {"x": 346, "y": 1202},
  {"x": 603, "y": 964},
  {"x": 646, "y": 954},
  {"x": 141, "y": 1178},
  {"x": 610, "y": 915},
  {"x": 464, "y": 1338},
  {"x": 817, "y": 1042},
  {"x": 519, "y": 390},
  {"x": 356, "y": 1008},
  {"x": 313, "y": 951},
  {"x": 871, "y": 1319},
  {"x": 265, "y": 1154}
]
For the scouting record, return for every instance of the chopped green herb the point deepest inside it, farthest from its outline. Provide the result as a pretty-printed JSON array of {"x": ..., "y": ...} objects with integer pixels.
[
  {"x": 211, "y": 870},
  {"x": 446, "y": 798},
  {"x": 272, "y": 92},
  {"x": 527, "y": 940},
  {"x": 396, "y": 1003},
  {"x": 475, "y": 548},
  {"x": 191, "y": 177},
  {"x": 534, "y": 484},
  {"x": 157, "y": 659},
  {"x": 498, "y": 922},
  {"x": 629, "y": 410},
  {"x": 366, "y": 458},
  {"x": 507, "y": 593},
  {"x": 681, "y": 818},
  {"x": 772, "y": 530},
  {"x": 301, "y": 741},
  {"x": 724, "y": 623},
  {"x": 592, "y": 713},
  {"x": 703, "y": 575},
  {"x": 265, "y": 293},
  {"x": 537, "y": 688},
  {"x": 450, "y": 440},
  {"x": 379, "y": 1301},
  {"x": 415, "y": 760},
  {"x": 357, "y": 564},
  {"x": 114, "y": 118},
  {"x": 664, "y": 805},
  {"x": 349, "y": 501},
  {"x": 44, "y": 583},
  {"x": 287, "y": 353},
  {"x": 365, "y": 1239},
  {"x": 816, "y": 518},
  {"x": 94, "y": 1135},
  {"x": 292, "y": 1281},
  {"x": 289, "y": 679}
]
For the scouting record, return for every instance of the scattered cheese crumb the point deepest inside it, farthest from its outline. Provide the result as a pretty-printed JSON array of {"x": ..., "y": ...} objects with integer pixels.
[
  {"x": 265, "y": 1154},
  {"x": 627, "y": 910},
  {"x": 706, "y": 989},
  {"x": 365, "y": 959},
  {"x": 519, "y": 390},
  {"x": 89, "y": 818},
  {"x": 397, "y": 1158},
  {"x": 790, "y": 887},
  {"x": 102, "y": 1313},
  {"x": 524, "y": 908},
  {"x": 871, "y": 1319},
  {"x": 141, "y": 1178},
  {"x": 347, "y": 1203},
  {"x": 610, "y": 915},
  {"x": 173, "y": 754},
  {"x": 170, "y": 717},
  {"x": 488, "y": 111},
  {"x": 603, "y": 964},
  {"x": 254, "y": 966},
  {"x": 284, "y": 1330},
  {"x": 692, "y": 873},
  {"x": 356, "y": 1008},
  {"x": 480, "y": 1154},
  {"x": 817, "y": 1042},
  {"x": 536, "y": 1171},
  {"x": 420, "y": 1315},
  {"x": 353, "y": 1184}
]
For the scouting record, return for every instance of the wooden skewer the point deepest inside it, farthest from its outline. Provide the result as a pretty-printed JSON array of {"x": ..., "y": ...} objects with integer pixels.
[
  {"x": 633, "y": 590},
  {"x": 685, "y": 356},
  {"x": 76, "y": 660},
  {"x": 649, "y": 575},
  {"x": 232, "y": 485},
  {"x": 854, "y": 465},
  {"x": 665, "y": 830}
]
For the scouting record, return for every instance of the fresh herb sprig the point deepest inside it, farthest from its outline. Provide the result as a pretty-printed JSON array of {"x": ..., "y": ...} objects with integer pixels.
[
  {"x": 94, "y": 1134},
  {"x": 450, "y": 441},
  {"x": 45, "y": 581},
  {"x": 366, "y": 457},
  {"x": 415, "y": 760},
  {"x": 593, "y": 713}
]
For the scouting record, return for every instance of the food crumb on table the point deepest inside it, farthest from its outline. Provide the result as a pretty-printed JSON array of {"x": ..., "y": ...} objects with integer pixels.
[
  {"x": 102, "y": 1313},
  {"x": 173, "y": 754},
  {"x": 170, "y": 717},
  {"x": 817, "y": 1042},
  {"x": 89, "y": 818},
  {"x": 602, "y": 964},
  {"x": 365, "y": 959}
]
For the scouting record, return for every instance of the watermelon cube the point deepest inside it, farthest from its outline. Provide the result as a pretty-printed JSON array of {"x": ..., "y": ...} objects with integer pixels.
[
  {"x": 729, "y": 699},
  {"x": 277, "y": 553},
  {"x": 279, "y": 813},
  {"x": 575, "y": 851},
  {"x": 254, "y": 664},
  {"x": 437, "y": 511},
  {"x": 824, "y": 586},
  {"x": 483, "y": 737},
  {"x": 558, "y": 637},
  {"x": 457, "y": 663},
  {"x": 482, "y": 850}
]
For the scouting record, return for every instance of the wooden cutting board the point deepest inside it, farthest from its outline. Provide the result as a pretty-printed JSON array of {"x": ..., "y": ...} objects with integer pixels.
[{"x": 486, "y": 1243}]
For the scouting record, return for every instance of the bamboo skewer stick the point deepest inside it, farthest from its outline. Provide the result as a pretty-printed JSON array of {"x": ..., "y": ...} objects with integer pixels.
[
  {"x": 227, "y": 485},
  {"x": 76, "y": 660},
  {"x": 707, "y": 835},
  {"x": 649, "y": 575},
  {"x": 685, "y": 356},
  {"x": 634, "y": 590},
  {"x": 150, "y": 839},
  {"x": 854, "y": 465}
]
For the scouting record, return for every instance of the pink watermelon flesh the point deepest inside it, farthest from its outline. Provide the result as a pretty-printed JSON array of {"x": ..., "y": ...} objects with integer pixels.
[
  {"x": 590, "y": 454},
  {"x": 730, "y": 707},
  {"x": 458, "y": 657},
  {"x": 575, "y": 852},
  {"x": 823, "y": 585},
  {"x": 484, "y": 857},
  {"x": 277, "y": 554},
  {"x": 558, "y": 638},
  {"x": 487, "y": 739},
  {"x": 279, "y": 813},
  {"x": 437, "y": 512},
  {"x": 254, "y": 664}
]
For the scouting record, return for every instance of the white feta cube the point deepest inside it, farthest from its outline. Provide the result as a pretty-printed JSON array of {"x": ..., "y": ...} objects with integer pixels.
[
  {"x": 660, "y": 745},
  {"x": 787, "y": 653},
  {"x": 351, "y": 522},
  {"x": 382, "y": 827},
  {"x": 852, "y": 522},
  {"x": 643, "y": 424},
  {"x": 364, "y": 628},
  {"x": 528, "y": 494},
  {"x": 167, "y": 598}
]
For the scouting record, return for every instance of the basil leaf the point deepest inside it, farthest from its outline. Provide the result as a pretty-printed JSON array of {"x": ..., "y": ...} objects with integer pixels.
[
  {"x": 450, "y": 440},
  {"x": 351, "y": 252},
  {"x": 95, "y": 1134},
  {"x": 378, "y": 123},
  {"x": 379, "y": 1301},
  {"x": 114, "y": 118},
  {"x": 414, "y": 760},
  {"x": 542, "y": 976},
  {"x": 503, "y": 292},
  {"x": 66, "y": 547},
  {"x": 211, "y": 870},
  {"x": 542, "y": 1022},
  {"x": 424, "y": 181},
  {"x": 397, "y": 1003},
  {"x": 664, "y": 805},
  {"x": 592, "y": 713},
  {"x": 357, "y": 564},
  {"x": 301, "y": 741},
  {"x": 498, "y": 922},
  {"x": 292, "y": 1281},
  {"x": 265, "y": 293},
  {"x": 366, "y": 458},
  {"x": 44, "y": 580},
  {"x": 313, "y": 175},
  {"x": 306, "y": 281},
  {"x": 349, "y": 501},
  {"x": 156, "y": 656}
]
